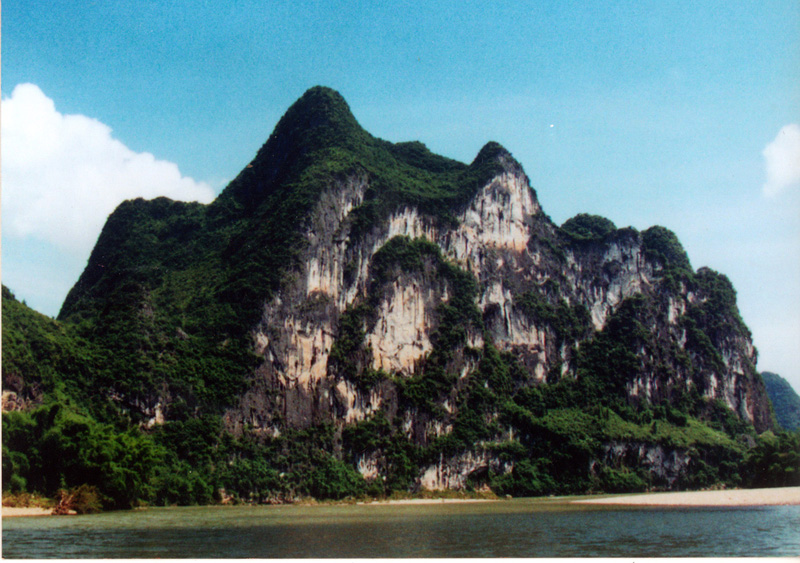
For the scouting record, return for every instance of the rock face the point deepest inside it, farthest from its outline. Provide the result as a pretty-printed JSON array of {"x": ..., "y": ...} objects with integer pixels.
[
  {"x": 384, "y": 299},
  {"x": 505, "y": 241}
]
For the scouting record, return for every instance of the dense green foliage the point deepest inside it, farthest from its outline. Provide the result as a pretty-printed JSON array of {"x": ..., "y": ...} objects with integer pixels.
[
  {"x": 785, "y": 401},
  {"x": 584, "y": 227},
  {"x": 147, "y": 295},
  {"x": 775, "y": 461},
  {"x": 611, "y": 359},
  {"x": 717, "y": 314},
  {"x": 41, "y": 355},
  {"x": 55, "y": 447},
  {"x": 661, "y": 244}
]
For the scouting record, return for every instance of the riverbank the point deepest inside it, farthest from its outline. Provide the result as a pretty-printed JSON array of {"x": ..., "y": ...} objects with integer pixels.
[
  {"x": 734, "y": 497},
  {"x": 14, "y": 511},
  {"x": 430, "y": 501},
  {"x": 26, "y": 504}
]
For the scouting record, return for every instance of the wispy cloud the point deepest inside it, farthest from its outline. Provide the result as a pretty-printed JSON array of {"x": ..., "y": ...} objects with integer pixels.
[
  {"x": 783, "y": 161},
  {"x": 63, "y": 174}
]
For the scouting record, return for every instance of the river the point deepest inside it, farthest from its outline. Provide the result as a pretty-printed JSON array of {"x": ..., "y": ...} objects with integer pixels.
[{"x": 512, "y": 528}]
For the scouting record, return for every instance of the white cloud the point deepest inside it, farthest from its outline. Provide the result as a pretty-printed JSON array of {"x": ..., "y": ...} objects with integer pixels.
[
  {"x": 783, "y": 160},
  {"x": 63, "y": 174}
]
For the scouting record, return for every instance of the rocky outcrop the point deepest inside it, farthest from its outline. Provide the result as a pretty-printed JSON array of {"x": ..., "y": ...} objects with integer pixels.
[
  {"x": 666, "y": 466},
  {"x": 456, "y": 472}
]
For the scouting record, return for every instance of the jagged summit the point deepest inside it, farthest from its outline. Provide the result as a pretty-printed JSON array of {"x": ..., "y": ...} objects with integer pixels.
[{"x": 319, "y": 136}]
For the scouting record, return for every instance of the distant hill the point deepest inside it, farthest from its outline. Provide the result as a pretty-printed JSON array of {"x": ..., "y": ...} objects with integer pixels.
[{"x": 784, "y": 399}]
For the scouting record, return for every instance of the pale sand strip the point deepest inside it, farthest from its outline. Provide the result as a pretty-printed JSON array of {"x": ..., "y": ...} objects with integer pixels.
[
  {"x": 737, "y": 497},
  {"x": 11, "y": 511}
]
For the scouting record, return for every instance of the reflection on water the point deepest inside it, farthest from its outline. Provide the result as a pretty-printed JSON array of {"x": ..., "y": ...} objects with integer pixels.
[{"x": 517, "y": 528}]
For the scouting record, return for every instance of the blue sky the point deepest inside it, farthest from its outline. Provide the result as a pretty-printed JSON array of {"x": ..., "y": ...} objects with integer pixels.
[{"x": 643, "y": 112}]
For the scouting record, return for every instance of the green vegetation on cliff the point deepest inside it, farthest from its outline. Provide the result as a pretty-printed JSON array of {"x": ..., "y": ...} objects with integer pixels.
[
  {"x": 661, "y": 244},
  {"x": 585, "y": 227}
]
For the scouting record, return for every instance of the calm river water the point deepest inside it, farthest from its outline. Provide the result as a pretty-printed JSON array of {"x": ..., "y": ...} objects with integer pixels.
[{"x": 515, "y": 528}]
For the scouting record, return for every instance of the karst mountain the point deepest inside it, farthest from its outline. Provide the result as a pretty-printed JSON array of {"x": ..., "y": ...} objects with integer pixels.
[{"x": 355, "y": 317}]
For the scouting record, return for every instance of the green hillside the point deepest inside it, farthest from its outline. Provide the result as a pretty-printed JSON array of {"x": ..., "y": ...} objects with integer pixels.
[{"x": 785, "y": 400}]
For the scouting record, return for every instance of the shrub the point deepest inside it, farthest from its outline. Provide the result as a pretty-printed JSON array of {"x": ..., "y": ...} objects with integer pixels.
[
  {"x": 84, "y": 499},
  {"x": 622, "y": 480},
  {"x": 585, "y": 227},
  {"x": 661, "y": 244}
]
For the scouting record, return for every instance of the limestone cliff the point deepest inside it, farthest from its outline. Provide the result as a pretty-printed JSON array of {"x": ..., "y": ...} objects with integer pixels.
[{"x": 505, "y": 241}]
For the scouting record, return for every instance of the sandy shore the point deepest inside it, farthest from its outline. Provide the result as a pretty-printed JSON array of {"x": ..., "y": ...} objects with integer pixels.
[
  {"x": 11, "y": 511},
  {"x": 737, "y": 497}
]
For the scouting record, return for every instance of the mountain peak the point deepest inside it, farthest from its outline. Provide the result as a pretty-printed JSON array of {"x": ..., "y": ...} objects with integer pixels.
[
  {"x": 494, "y": 153},
  {"x": 320, "y": 116},
  {"x": 493, "y": 159},
  {"x": 319, "y": 119},
  {"x": 491, "y": 150},
  {"x": 319, "y": 97}
]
